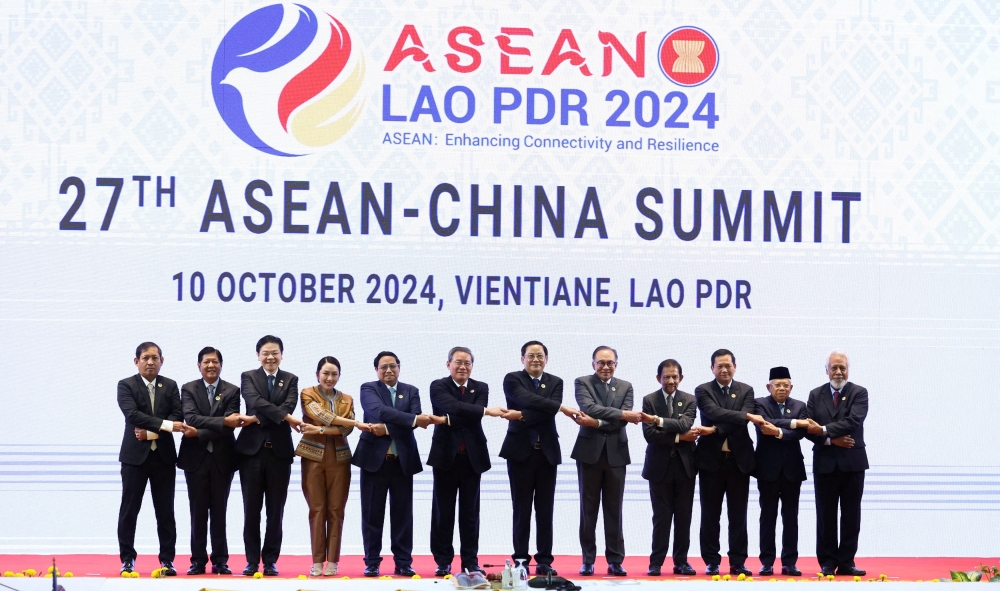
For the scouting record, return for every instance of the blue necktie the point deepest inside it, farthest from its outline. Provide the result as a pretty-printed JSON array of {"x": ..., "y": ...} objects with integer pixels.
[
  {"x": 781, "y": 409},
  {"x": 392, "y": 445},
  {"x": 270, "y": 384},
  {"x": 211, "y": 397},
  {"x": 536, "y": 381}
]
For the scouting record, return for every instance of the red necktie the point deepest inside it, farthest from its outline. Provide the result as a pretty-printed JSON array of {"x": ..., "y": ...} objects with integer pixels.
[
  {"x": 836, "y": 396},
  {"x": 461, "y": 442}
]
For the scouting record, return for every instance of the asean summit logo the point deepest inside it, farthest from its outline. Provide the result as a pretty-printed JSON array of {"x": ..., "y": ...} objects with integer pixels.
[
  {"x": 688, "y": 56},
  {"x": 287, "y": 79}
]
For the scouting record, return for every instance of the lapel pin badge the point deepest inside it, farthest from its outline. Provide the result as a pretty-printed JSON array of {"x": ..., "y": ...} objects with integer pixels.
[
  {"x": 680, "y": 404},
  {"x": 472, "y": 391},
  {"x": 400, "y": 396},
  {"x": 614, "y": 389},
  {"x": 788, "y": 411},
  {"x": 280, "y": 384},
  {"x": 218, "y": 397},
  {"x": 543, "y": 385},
  {"x": 159, "y": 385},
  {"x": 843, "y": 398},
  {"x": 732, "y": 395}
]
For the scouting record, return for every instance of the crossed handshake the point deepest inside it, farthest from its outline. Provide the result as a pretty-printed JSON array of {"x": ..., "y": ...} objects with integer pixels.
[{"x": 814, "y": 428}]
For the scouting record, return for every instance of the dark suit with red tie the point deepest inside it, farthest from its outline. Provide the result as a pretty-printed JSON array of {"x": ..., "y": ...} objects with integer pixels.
[
  {"x": 459, "y": 456},
  {"x": 531, "y": 449},
  {"x": 725, "y": 474},
  {"x": 780, "y": 471},
  {"x": 839, "y": 473},
  {"x": 388, "y": 463},
  {"x": 209, "y": 462},
  {"x": 265, "y": 459},
  {"x": 142, "y": 464}
]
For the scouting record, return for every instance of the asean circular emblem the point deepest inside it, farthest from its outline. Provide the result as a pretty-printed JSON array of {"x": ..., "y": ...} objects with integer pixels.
[
  {"x": 688, "y": 56},
  {"x": 286, "y": 79}
]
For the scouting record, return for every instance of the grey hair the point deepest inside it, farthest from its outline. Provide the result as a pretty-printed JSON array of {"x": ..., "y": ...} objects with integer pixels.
[
  {"x": 837, "y": 352},
  {"x": 454, "y": 350}
]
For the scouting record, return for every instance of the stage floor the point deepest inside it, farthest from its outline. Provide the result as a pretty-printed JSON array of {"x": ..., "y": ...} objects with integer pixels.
[{"x": 108, "y": 565}]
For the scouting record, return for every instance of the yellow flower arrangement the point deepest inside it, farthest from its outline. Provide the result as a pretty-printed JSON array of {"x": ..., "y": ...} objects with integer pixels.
[
  {"x": 8, "y": 573},
  {"x": 415, "y": 576},
  {"x": 18, "y": 574},
  {"x": 69, "y": 574},
  {"x": 345, "y": 578},
  {"x": 749, "y": 578},
  {"x": 726, "y": 577},
  {"x": 716, "y": 578},
  {"x": 125, "y": 574},
  {"x": 857, "y": 579},
  {"x": 772, "y": 580},
  {"x": 742, "y": 577},
  {"x": 882, "y": 577},
  {"x": 303, "y": 577},
  {"x": 829, "y": 577},
  {"x": 258, "y": 575},
  {"x": 30, "y": 572},
  {"x": 446, "y": 577}
]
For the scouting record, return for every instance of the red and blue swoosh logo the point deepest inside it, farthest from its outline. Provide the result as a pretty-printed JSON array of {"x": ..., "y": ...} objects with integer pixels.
[{"x": 286, "y": 79}]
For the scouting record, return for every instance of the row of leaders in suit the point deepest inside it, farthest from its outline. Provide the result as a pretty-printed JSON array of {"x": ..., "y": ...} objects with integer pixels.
[{"x": 720, "y": 453}]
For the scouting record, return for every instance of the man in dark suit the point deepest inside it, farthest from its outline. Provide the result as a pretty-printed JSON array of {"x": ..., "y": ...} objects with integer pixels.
[
  {"x": 266, "y": 452},
  {"x": 531, "y": 449},
  {"x": 151, "y": 405},
  {"x": 601, "y": 454},
  {"x": 837, "y": 412},
  {"x": 670, "y": 466},
  {"x": 212, "y": 409},
  {"x": 388, "y": 458},
  {"x": 780, "y": 471},
  {"x": 459, "y": 456},
  {"x": 725, "y": 461}
]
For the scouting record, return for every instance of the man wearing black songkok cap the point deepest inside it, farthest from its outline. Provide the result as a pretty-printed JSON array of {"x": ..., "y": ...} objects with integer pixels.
[{"x": 780, "y": 470}]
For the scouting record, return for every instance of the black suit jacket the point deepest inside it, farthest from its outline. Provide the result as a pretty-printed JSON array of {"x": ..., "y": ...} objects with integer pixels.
[
  {"x": 538, "y": 409},
  {"x": 591, "y": 440},
  {"x": 378, "y": 406},
  {"x": 270, "y": 410},
  {"x": 780, "y": 456},
  {"x": 465, "y": 415},
  {"x": 133, "y": 400},
  {"x": 660, "y": 440},
  {"x": 208, "y": 419},
  {"x": 847, "y": 419},
  {"x": 728, "y": 414}
]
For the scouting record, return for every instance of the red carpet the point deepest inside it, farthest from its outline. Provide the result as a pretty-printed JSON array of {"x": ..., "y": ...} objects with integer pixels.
[{"x": 107, "y": 565}]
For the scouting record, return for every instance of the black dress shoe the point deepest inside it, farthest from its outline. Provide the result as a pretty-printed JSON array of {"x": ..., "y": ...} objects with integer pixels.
[
  {"x": 827, "y": 572},
  {"x": 442, "y": 570},
  {"x": 740, "y": 570},
  {"x": 128, "y": 566},
  {"x": 766, "y": 571},
  {"x": 196, "y": 569},
  {"x": 653, "y": 571},
  {"x": 687, "y": 569},
  {"x": 405, "y": 571},
  {"x": 249, "y": 570},
  {"x": 851, "y": 571},
  {"x": 711, "y": 569},
  {"x": 221, "y": 569},
  {"x": 615, "y": 568},
  {"x": 791, "y": 571},
  {"x": 545, "y": 569},
  {"x": 587, "y": 570},
  {"x": 270, "y": 569},
  {"x": 371, "y": 571},
  {"x": 170, "y": 570}
]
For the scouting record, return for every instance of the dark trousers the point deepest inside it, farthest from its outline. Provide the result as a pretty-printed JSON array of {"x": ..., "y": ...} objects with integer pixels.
[
  {"x": 787, "y": 492},
  {"x": 601, "y": 486},
  {"x": 389, "y": 481},
  {"x": 208, "y": 495},
  {"x": 845, "y": 488},
  {"x": 673, "y": 500},
  {"x": 459, "y": 481},
  {"x": 264, "y": 479},
  {"x": 532, "y": 482},
  {"x": 160, "y": 476},
  {"x": 729, "y": 482}
]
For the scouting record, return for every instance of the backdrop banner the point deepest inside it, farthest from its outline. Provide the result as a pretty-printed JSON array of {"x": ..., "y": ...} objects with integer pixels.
[{"x": 777, "y": 177}]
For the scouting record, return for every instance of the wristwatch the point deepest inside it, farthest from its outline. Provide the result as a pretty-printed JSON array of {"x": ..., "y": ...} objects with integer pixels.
[{"x": 322, "y": 430}]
